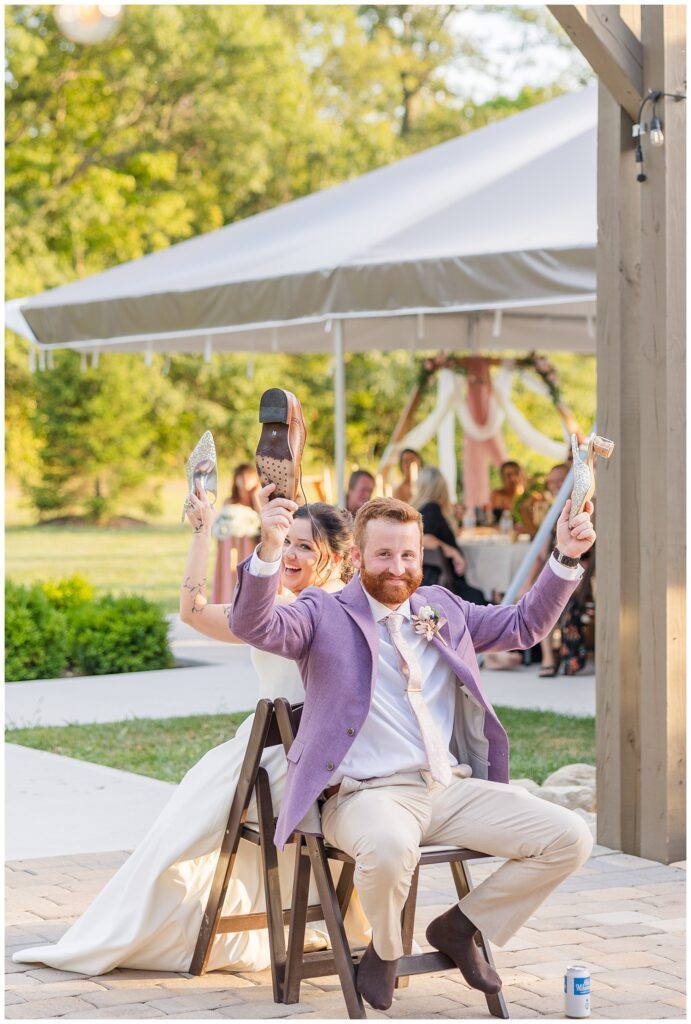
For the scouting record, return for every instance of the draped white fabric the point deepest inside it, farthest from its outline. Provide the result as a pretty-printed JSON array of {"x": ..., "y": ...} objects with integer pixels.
[{"x": 451, "y": 402}]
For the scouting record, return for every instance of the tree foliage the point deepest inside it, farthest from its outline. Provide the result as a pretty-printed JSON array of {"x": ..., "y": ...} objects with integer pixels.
[{"x": 189, "y": 118}]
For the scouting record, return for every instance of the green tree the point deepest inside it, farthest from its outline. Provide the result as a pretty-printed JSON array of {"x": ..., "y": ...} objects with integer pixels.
[{"x": 103, "y": 442}]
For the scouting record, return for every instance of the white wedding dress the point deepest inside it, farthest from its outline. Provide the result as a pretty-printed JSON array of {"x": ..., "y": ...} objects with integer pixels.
[{"x": 149, "y": 914}]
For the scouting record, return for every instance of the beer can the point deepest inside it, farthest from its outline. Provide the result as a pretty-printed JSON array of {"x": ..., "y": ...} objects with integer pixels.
[{"x": 577, "y": 991}]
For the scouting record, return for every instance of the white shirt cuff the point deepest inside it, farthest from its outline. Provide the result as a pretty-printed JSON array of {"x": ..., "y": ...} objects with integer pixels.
[
  {"x": 261, "y": 568},
  {"x": 565, "y": 571}
]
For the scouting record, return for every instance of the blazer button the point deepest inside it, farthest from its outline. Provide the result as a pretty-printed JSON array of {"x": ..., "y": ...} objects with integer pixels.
[
  {"x": 350, "y": 731},
  {"x": 329, "y": 766}
]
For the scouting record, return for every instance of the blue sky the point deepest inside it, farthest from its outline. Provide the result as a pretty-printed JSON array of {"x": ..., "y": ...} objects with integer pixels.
[{"x": 512, "y": 64}]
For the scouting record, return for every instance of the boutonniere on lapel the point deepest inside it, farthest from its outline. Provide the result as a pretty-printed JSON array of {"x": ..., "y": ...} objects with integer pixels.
[{"x": 428, "y": 623}]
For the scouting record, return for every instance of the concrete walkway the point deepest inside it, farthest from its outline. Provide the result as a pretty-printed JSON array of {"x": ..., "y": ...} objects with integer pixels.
[
  {"x": 58, "y": 805},
  {"x": 622, "y": 916},
  {"x": 223, "y": 680}
]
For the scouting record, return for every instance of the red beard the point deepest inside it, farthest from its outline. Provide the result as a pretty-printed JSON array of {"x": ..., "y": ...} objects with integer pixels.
[{"x": 383, "y": 589}]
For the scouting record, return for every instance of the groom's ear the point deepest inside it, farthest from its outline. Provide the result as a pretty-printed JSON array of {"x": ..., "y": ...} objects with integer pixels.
[{"x": 356, "y": 556}]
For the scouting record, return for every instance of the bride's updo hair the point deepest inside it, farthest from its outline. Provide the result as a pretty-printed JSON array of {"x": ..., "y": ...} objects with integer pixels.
[{"x": 332, "y": 530}]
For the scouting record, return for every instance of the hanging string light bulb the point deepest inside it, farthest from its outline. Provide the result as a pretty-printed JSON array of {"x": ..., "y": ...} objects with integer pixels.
[
  {"x": 656, "y": 135},
  {"x": 88, "y": 23}
]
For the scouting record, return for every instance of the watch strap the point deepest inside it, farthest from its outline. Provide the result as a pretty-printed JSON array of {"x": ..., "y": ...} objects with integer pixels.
[{"x": 563, "y": 559}]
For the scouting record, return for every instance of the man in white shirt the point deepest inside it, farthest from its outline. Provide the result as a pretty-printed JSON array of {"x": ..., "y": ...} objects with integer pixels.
[{"x": 398, "y": 733}]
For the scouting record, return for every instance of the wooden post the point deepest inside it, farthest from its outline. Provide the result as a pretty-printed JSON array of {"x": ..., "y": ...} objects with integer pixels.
[
  {"x": 617, "y": 649},
  {"x": 641, "y": 405},
  {"x": 663, "y": 426}
]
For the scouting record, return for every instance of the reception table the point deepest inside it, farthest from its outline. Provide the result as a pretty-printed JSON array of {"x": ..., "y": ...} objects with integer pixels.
[{"x": 492, "y": 558}]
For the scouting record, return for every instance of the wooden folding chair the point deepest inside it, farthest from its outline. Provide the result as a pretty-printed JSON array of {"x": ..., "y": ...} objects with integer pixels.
[
  {"x": 314, "y": 854},
  {"x": 253, "y": 778}
]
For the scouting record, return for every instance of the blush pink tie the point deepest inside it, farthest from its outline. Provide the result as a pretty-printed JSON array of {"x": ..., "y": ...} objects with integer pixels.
[{"x": 437, "y": 756}]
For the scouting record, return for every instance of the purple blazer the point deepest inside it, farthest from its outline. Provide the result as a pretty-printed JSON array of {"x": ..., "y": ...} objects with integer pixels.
[{"x": 335, "y": 641}]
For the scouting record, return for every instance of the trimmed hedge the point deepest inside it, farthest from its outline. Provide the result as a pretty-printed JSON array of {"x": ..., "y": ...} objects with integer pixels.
[
  {"x": 51, "y": 627},
  {"x": 119, "y": 634},
  {"x": 36, "y": 645}
]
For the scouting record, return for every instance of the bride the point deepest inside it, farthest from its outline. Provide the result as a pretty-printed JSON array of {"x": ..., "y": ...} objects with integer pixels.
[{"x": 149, "y": 914}]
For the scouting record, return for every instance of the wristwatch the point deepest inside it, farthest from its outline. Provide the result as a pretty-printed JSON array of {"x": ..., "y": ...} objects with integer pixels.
[{"x": 571, "y": 563}]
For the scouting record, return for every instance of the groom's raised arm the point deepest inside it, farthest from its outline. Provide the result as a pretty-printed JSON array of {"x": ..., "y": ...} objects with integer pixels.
[
  {"x": 520, "y": 626},
  {"x": 517, "y": 627},
  {"x": 255, "y": 617}
]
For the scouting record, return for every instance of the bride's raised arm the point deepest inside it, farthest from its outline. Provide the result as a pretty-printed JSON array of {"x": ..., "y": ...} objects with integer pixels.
[{"x": 209, "y": 619}]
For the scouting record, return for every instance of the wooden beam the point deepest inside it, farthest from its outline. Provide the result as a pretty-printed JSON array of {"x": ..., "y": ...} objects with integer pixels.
[
  {"x": 610, "y": 47},
  {"x": 663, "y": 430},
  {"x": 619, "y": 369}
]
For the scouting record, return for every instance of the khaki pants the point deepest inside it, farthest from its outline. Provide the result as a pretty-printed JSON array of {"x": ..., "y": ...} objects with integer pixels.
[{"x": 382, "y": 823}]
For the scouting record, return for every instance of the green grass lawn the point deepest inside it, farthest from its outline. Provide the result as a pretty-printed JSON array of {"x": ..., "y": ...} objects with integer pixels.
[
  {"x": 148, "y": 561},
  {"x": 166, "y": 748}
]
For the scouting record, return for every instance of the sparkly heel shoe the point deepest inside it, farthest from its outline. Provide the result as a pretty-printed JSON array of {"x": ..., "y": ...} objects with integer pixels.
[
  {"x": 202, "y": 466},
  {"x": 584, "y": 471}
]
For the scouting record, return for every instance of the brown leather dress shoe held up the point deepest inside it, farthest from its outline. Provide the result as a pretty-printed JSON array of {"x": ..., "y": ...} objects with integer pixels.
[
  {"x": 454, "y": 934},
  {"x": 279, "y": 452}
]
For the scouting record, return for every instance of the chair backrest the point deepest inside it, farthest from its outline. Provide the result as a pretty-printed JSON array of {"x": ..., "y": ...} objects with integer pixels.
[{"x": 287, "y": 718}]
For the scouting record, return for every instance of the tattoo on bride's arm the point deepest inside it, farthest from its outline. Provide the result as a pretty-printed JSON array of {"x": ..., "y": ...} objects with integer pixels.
[{"x": 198, "y": 599}]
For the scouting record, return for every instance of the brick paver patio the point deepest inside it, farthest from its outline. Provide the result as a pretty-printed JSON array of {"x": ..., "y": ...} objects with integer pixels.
[{"x": 622, "y": 916}]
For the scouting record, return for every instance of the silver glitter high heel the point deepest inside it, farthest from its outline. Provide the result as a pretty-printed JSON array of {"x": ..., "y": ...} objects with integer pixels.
[
  {"x": 584, "y": 472},
  {"x": 202, "y": 466}
]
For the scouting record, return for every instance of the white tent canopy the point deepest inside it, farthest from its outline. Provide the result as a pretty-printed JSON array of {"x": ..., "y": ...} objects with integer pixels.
[{"x": 483, "y": 242}]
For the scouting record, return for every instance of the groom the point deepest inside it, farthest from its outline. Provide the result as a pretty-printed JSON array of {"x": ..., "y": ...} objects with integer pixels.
[{"x": 398, "y": 732}]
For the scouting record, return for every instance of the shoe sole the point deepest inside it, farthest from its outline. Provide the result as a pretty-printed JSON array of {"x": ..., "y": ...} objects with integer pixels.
[{"x": 274, "y": 459}]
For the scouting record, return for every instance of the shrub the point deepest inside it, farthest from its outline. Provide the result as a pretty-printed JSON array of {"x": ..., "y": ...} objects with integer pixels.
[
  {"x": 69, "y": 594},
  {"x": 119, "y": 634},
  {"x": 36, "y": 643}
]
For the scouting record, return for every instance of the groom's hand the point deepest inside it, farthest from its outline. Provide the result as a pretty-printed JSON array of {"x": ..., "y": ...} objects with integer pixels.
[
  {"x": 576, "y": 539},
  {"x": 276, "y": 516}
]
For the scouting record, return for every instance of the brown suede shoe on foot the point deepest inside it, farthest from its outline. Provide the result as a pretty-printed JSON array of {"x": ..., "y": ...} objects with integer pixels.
[
  {"x": 282, "y": 441},
  {"x": 376, "y": 979},
  {"x": 454, "y": 934}
]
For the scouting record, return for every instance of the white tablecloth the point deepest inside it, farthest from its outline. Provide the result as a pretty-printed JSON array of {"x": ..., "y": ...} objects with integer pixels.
[{"x": 492, "y": 562}]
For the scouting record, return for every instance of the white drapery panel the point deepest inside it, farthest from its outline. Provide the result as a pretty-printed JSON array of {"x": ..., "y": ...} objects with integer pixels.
[{"x": 451, "y": 402}]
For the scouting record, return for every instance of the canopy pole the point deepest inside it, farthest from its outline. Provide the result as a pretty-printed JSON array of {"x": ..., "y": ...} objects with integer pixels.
[{"x": 339, "y": 409}]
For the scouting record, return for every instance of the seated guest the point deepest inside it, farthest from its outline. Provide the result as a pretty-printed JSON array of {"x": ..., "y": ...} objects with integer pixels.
[
  {"x": 512, "y": 487},
  {"x": 410, "y": 464},
  {"x": 434, "y": 505},
  {"x": 360, "y": 489}
]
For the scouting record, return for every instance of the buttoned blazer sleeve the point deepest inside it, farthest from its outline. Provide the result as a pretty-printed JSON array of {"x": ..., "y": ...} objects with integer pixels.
[
  {"x": 518, "y": 626},
  {"x": 254, "y": 616}
]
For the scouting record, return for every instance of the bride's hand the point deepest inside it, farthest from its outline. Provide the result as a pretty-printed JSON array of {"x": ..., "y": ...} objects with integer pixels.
[{"x": 200, "y": 513}]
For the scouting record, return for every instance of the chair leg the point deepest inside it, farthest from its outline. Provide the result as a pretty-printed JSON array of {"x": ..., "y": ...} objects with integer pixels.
[
  {"x": 408, "y": 924},
  {"x": 298, "y": 921},
  {"x": 461, "y": 876},
  {"x": 272, "y": 885},
  {"x": 231, "y": 839},
  {"x": 334, "y": 924},
  {"x": 344, "y": 889}
]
